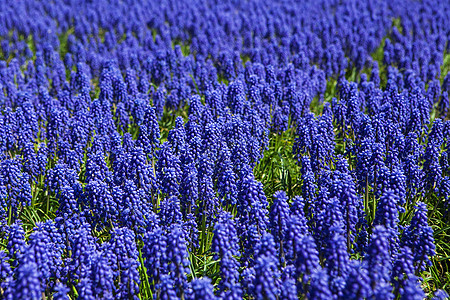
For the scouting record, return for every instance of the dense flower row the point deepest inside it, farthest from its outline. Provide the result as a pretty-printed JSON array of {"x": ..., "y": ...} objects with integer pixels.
[{"x": 100, "y": 200}]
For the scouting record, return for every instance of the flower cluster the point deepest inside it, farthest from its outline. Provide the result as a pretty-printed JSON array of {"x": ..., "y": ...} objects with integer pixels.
[{"x": 130, "y": 132}]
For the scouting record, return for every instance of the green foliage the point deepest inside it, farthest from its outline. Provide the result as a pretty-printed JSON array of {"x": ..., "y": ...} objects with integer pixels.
[{"x": 278, "y": 169}]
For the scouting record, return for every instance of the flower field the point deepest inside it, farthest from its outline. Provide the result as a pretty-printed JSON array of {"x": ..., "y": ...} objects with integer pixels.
[{"x": 206, "y": 149}]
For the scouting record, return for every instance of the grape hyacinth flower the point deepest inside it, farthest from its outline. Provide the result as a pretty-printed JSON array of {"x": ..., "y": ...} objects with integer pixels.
[
  {"x": 419, "y": 237},
  {"x": 202, "y": 289},
  {"x": 225, "y": 245},
  {"x": 27, "y": 285}
]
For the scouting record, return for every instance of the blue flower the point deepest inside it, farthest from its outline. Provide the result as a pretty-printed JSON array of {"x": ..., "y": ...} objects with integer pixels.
[
  {"x": 379, "y": 258},
  {"x": 177, "y": 258},
  {"x": 16, "y": 241},
  {"x": 177, "y": 137},
  {"x": 319, "y": 289},
  {"x": 61, "y": 292},
  {"x": 279, "y": 213},
  {"x": 154, "y": 252},
  {"x": 358, "y": 285},
  {"x": 266, "y": 282},
  {"x": 225, "y": 245},
  {"x": 27, "y": 285},
  {"x": 166, "y": 288},
  {"x": 124, "y": 258},
  {"x": 149, "y": 132},
  {"x": 202, "y": 289},
  {"x": 288, "y": 290},
  {"x": 5, "y": 271},
  {"x": 306, "y": 260},
  {"x": 170, "y": 212},
  {"x": 419, "y": 237},
  {"x": 387, "y": 214}
]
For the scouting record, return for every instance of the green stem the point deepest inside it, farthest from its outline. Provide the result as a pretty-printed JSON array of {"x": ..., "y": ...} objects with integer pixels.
[
  {"x": 203, "y": 245},
  {"x": 146, "y": 283},
  {"x": 366, "y": 200},
  {"x": 9, "y": 215}
]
